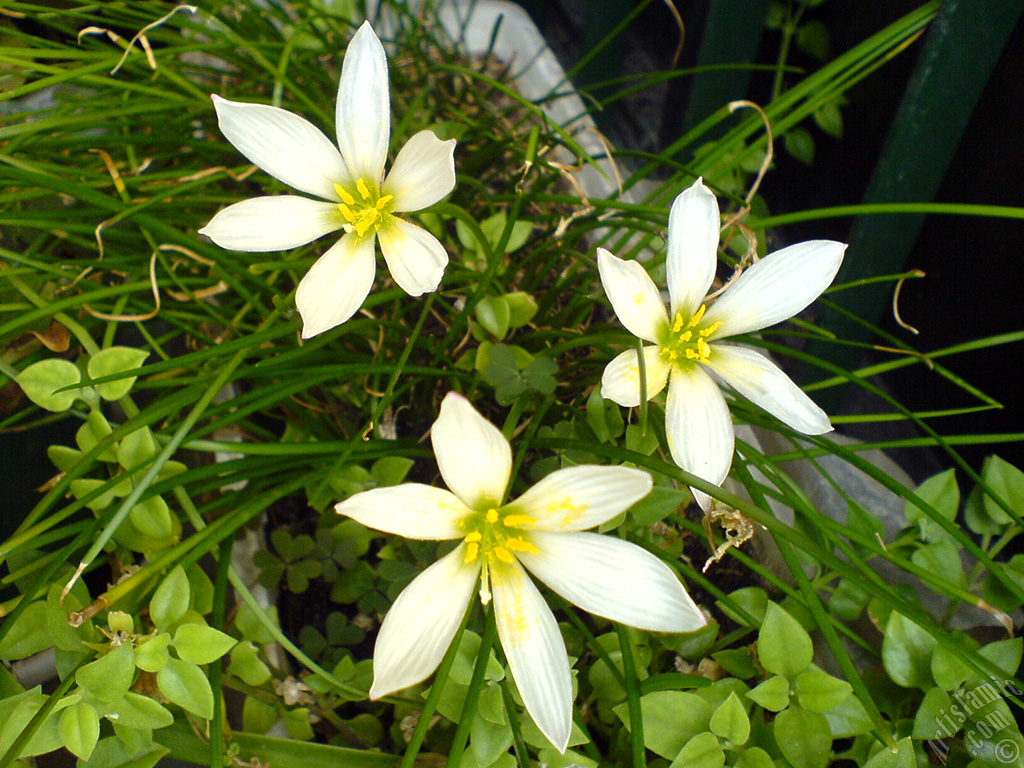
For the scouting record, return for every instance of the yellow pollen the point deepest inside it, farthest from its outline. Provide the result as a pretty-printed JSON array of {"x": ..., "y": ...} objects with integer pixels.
[
  {"x": 519, "y": 544},
  {"x": 686, "y": 336},
  {"x": 384, "y": 201},
  {"x": 492, "y": 516},
  {"x": 347, "y": 213},
  {"x": 704, "y": 349},
  {"x": 363, "y": 190},
  {"x": 678, "y": 324},
  {"x": 711, "y": 329},
  {"x": 518, "y": 521},
  {"x": 504, "y": 555},
  {"x": 472, "y": 550},
  {"x": 474, "y": 536},
  {"x": 692, "y": 354},
  {"x": 697, "y": 317},
  {"x": 345, "y": 196}
]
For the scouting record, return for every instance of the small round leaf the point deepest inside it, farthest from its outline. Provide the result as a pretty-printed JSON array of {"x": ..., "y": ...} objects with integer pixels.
[
  {"x": 171, "y": 599},
  {"x": 41, "y": 380},
  {"x": 114, "y": 360},
  {"x": 185, "y": 684},
  {"x": 197, "y": 644},
  {"x": 79, "y": 729},
  {"x": 783, "y": 646}
]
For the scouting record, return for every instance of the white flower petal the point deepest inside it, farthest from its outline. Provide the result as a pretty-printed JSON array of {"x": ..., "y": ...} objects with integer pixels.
[
  {"x": 415, "y": 258},
  {"x": 421, "y": 624},
  {"x": 759, "y": 380},
  {"x": 697, "y": 424},
  {"x": 474, "y": 457},
  {"x": 613, "y": 578},
  {"x": 412, "y": 510},
  {"x": 634, "y": 296},
  {"x": 693, "y": 227},
  {"x": 274, "y": 223},
  {"x": 777, "y": 287},
  {"x": 336, "y": 285},
  {"x": 423, "y": 172},
  {"x": 363, "y": 112},
  {"x": 577, "y": 498},
  {"x": 621, "y": 380},
  {"x": 286, "y": 146},
  {"x": 536, "y": 654}
]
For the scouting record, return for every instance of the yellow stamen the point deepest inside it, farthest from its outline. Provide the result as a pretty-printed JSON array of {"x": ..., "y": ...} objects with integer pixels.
[
  {"x": 704, "y": 349},
  {"x": 518, "y": 521},
  {"x": 697, "y": 317},
  {"x": 472, "y": 550},
  {"x": 474, "y": 536},
  {"x": 345, "y": 196},
  {"x": 686, "y": 336},
  {"x": 363, "y": 190},
  {"x": 678, "y": 324},
  {"x": 711, "y": 329},
  {"x": 691, "y": 354},
  {"x": 504, "y": 555},
  {"x": 347, "y": 213},
  {"x": 492, "y": 516},
  {"x": 384, "y": 201},
  {"x": 519, "y": 544}
]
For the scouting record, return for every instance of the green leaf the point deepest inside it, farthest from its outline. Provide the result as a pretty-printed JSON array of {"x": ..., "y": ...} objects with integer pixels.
[
  {"x": 136, "y": 448},
  {"x": 521, "y": 306},
  {"x": 800, "y": 145},
  {"x": 1006, "y": 482},
  {"x": 247, "y": 665},
  {"x": 28, "y": 635},
  {"x": 829, "y": 118},
  {"x": 942, "y": 556},
  {"x": 907, "y": 653},
  {"x": 110, "y": 676},
  {"x": 812, "y": 39},
  {"x": 63, "y": 457},
  {"x": 900, "y": 757},
  {"x": 783, "y": 646},
  {"x": 198, "y": 644},
  {"x": 803, "y": 737},
  {"x": 932, "y": 719},
  {"x": 488, "y": 740},
  {"x": 755, "y": 757},
  {"x": 95, "y": 428},
  {"x": 152, "y": 654},
  {"x": 40, "y": 381},
  {"x": 702, "y": 751},
  {"x": 138, "y": 712},
  {"x": 752, "y": 601},
  {"x": 820, "y": 692},
  {"x": 112, "y": 752},
  {"x": 185, "y": 684},
  {"x": 79, "y": 729},
  {"x": 171, "y": 599},
  {"x": 738, "y": 662},
  {"x": 108, "y": 362},
  {"x": 83, "y": 486},
  {"x": 258, "y": 716},
  {"x": 730, "y": 722},
  {"x": 772, "y": 694},
  {"x": 390, "y": 470},
  {"x": 943, "y": 494},
  {"x": 848, "y": 719},
  {"x": 671, "y": 719},
  {"x": 1005, "y": 654},
  {"x": 493, "y": 313},
  {"x": 152, "y": 518}
]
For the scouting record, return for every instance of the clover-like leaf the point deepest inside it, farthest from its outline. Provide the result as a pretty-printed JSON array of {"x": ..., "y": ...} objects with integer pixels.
[
  {"x": 819, "y": 692},
  {"x": 198, "y": 644},
  {"x": 730, "y": 721},
  {"x": 803, "y": 737},
  {"x": 136, "y": 448},
  {"x": 171, "y": 599},
  {"x": 772, "y": 694},
  {"x": 152, "y": 654},
  {"x": 110, "y": 676},
  {"x": 907, "y": 653},
  {"x": 783, "y": 646},
  {"x": 114, "y": 360},
  {"x": 702, "y": 751},
  {"x": 40, "y": 382}
]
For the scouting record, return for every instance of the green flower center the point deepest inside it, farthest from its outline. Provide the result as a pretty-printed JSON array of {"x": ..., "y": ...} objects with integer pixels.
[
  {"x": 493, "y": 538},
  {"x": 688, "y": 340},
  {"x": 364, "y": 212}
]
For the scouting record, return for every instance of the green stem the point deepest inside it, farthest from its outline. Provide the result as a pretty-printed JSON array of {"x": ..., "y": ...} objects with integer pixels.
[
  {"x": 636, "y": 721},
  {"x": 476, "y": 684}
]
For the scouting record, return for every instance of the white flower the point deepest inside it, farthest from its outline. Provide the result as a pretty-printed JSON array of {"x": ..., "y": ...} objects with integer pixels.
[
  {"x": 360, "y": 200},
  {"x": 540, "y": 530},
  {"x": 688, "y": 346}
]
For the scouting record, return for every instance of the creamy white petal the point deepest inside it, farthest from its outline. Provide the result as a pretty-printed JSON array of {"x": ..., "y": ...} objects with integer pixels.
[
  {"x": 613, "y": 578},
  {"x": 274, "y": 223},
  {"x": 536, "y": 654},
  {"x": 697, "y": 424},
  {"x": 634, "y": 296},
  {"x": 474, "y": 457},
  {"x": 421, "y": 624},
  {"x": 693, "y": 227},
  {"x": 759, "y": 380},
  {"x": 412, "y": 510},
  {"x": 423, "y": 172},
  {"x": 577, "y": 498},
  {"x": 336, "y": 285},
  {"x": 363, "y": 112},
  {"x": 414, "y": 257},
  {"x": 621, "y": 380},
  {"x": 286, "y": 146},
  {"x": 777, "y": 287}
]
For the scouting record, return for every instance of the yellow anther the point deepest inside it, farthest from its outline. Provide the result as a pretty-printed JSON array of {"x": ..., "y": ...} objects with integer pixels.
[
  {"x": 711, "y": 329},
  {"x": 697, "y": 317},
  {"x": 518, "y": 521},
  {"x": 472, "y": 550},
  {"x": 474, "y": 536},
  {"x": 673, "y": 354},
  {"x": 363, "y": 189},
  {"x": 704, "y": 349},
  {"x": 686, "y": 336},
  {"x": 384, "y": 201},
  {"x": 691, "y": 354},
  {"x": 678, "y": 324},
  {"x": 345, "y": 196},
  {"x": 492, "y": 516},
  {"x": 504, "y": 555},
  {"x": 519, "y": 544},
  {"x": 347, "y": 213}
]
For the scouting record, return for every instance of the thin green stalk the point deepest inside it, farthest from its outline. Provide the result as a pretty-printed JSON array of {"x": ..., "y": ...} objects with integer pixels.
[
  {"x": 476, "y": 685},
  {"x": 636, "y": 720}
]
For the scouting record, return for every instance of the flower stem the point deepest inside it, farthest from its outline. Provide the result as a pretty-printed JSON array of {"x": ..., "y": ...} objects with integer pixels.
[
  {"x": 636, "y": 721},
  {"x": 476, "y": 684}
]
